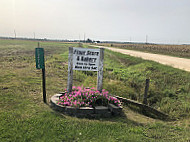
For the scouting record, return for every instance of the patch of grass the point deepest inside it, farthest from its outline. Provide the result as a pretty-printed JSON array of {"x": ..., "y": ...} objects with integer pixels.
[
  {"x": 24, "y": 117},
  {"x": 169, "y": 87}
]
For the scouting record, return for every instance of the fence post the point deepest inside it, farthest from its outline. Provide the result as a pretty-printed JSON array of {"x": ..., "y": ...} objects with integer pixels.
[{"x": 146, "y": 91}]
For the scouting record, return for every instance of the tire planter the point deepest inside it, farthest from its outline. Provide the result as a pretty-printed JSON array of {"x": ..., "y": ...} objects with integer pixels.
[{"x": 90, "y": 112}]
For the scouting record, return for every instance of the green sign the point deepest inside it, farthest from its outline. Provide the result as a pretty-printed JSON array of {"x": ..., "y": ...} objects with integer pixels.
[{"x": 39, "y": 53}]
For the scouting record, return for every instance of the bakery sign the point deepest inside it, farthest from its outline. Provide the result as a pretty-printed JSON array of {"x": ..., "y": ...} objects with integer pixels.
[{"x": 86, "y": 59}]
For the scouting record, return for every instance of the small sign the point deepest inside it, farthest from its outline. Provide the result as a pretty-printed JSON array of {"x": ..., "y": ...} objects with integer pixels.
[
  {"x": 39, "y": 53},
  {"x": 86, "y": 59}
]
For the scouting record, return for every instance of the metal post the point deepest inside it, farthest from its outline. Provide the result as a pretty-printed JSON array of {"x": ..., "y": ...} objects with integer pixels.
[
  {"x": 44, "y": 84},
  {"x": 43, "y": 80}
]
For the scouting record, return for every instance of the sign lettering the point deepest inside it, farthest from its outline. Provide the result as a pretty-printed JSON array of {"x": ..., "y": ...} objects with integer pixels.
[
  {"x": 39, "y": 53},
  {"x": 86, "y": 59}
]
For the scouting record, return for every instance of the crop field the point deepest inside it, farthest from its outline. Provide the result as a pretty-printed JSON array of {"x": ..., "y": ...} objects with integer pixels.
[
  {"x": 24, "y": 116},
  {"x": 173, "y": 50}
]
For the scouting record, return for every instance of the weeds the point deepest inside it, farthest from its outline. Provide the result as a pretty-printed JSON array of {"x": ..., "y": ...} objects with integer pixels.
[{"x": 24, "y": 117}]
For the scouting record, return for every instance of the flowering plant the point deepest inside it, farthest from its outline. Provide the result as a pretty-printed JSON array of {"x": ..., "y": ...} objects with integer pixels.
[{"x": 87, "y": 97}]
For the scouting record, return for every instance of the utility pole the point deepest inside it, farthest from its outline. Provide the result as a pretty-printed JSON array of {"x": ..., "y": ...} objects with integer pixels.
[
  {"x": 34, "y": 35},
  {"x": 146, "y": 39},
  {"x": 84, "y": 37},
  {"x": 15, "y": 33}
]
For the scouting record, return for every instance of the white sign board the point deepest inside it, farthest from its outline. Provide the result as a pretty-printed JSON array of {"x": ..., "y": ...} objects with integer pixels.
[{"x": 86, "y": 59}]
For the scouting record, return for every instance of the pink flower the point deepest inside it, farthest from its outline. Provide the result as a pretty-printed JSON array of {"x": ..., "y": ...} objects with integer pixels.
[{"x": 80, "y": 96}]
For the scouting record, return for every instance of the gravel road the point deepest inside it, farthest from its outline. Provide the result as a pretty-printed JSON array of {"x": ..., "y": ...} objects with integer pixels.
[{"x": 176, "y": 62}]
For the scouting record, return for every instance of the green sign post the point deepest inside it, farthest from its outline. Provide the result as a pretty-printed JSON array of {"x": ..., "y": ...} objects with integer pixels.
[{"x": 39, "y": 54}]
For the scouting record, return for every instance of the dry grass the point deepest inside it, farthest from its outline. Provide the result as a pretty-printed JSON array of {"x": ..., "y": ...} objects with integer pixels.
[
  {"x": 173, "y": 50},
  {"x": 24, "y": 116}
]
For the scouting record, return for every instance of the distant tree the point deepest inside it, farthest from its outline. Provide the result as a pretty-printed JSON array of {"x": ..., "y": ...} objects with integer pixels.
[{"x": 89, "y": 40}]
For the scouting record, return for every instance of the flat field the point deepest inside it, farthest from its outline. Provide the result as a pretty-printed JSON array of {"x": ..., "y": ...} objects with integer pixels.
[
  {"x": 24, "y": 116},
  {"x": 172, "y": 50}
]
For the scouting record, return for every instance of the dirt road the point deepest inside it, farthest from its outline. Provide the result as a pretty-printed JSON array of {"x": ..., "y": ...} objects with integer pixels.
[{"x": 180, "y": 63}]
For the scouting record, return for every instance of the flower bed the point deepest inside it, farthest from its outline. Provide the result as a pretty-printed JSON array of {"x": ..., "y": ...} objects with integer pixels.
[
  {"x": 87, "y": 97},
  {"x": 86, "y": 102}
]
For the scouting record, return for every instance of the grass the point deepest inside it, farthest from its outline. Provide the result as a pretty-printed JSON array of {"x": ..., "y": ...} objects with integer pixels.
[
  {"x": 125, "y": 76},
  {"x": 24, "y": 116}
]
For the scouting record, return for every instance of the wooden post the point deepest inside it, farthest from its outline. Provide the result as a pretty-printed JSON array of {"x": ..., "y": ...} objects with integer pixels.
[
  {"x": 146, "y": 91},
  {"x": 70, "y": 70},
  {"x": 100, "y": 71}
]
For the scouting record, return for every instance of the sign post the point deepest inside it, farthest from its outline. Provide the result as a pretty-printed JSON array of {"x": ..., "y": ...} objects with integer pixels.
[
  {"x": 39, "y": 54},
  {"x": 70, "y": 70},
  {"x": 100, "y": 71},
  {"x": 86, "y": 60}
]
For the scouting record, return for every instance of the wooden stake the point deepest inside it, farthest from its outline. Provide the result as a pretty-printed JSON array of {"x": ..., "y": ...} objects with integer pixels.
[
  {"x": 70, "y": 70},
  {"x": 100, "y": 71}
]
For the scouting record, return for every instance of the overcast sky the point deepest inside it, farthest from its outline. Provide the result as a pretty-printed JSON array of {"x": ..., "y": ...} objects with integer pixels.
[{"x": 164, "y": 21}]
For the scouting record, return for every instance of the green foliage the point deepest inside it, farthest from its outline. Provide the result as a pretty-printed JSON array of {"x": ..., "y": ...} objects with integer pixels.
[
  {"x": 165, "y": 82},
  {"x": 24, "y": 117}
]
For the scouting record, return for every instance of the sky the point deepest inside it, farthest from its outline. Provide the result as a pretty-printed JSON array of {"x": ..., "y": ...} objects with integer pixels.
[{"x": 161, "y": 21}]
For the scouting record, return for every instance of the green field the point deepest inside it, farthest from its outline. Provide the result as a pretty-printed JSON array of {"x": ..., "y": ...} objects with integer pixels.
[{"x": 24, "y": 116}]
